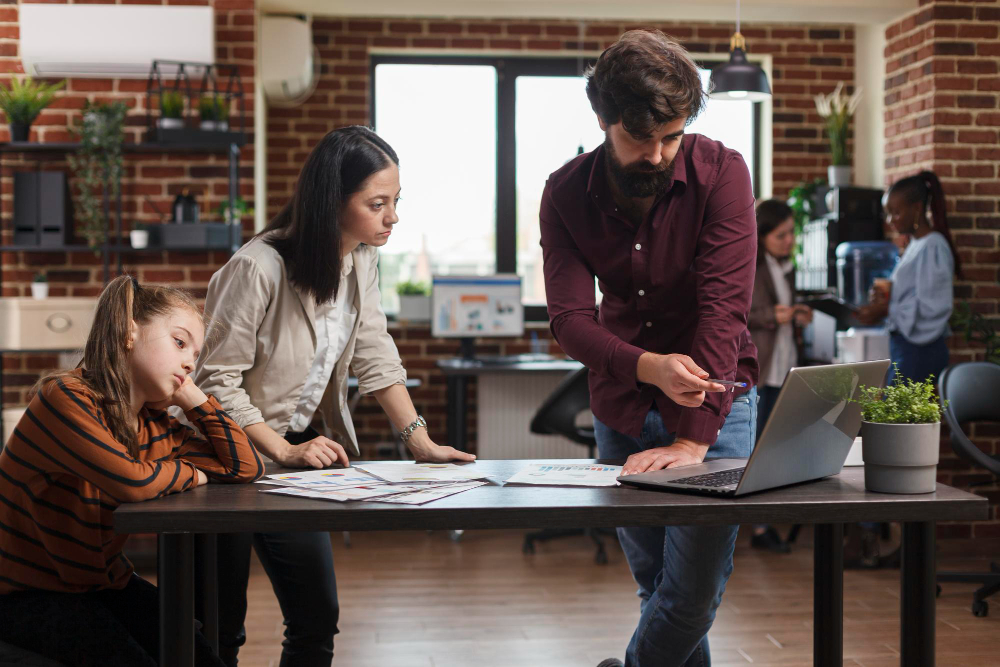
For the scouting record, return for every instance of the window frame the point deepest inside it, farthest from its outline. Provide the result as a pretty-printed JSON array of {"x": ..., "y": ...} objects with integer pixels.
[{"x": 508, "y": 69}]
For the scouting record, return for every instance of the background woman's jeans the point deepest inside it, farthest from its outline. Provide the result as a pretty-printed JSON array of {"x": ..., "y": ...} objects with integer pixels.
[{"x": 681, "y": 570}]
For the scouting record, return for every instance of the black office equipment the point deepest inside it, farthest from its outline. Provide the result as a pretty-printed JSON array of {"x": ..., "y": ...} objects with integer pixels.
[
  {"x": 968, "y": 393},
  {"x": 558, "y": 415},
  {"x": 855, "y": 215},
  {"x": 41, "y": 209}
]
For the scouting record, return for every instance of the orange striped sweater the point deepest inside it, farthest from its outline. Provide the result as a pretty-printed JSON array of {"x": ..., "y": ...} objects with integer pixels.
[{"x": 62, "y": 474}]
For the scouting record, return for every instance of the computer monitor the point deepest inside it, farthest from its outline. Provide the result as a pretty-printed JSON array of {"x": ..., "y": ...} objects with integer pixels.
[{"x": 473, "y": 306}]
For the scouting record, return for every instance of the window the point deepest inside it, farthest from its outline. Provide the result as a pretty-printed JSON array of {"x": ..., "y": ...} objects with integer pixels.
[{"x": 477, "y": 139}]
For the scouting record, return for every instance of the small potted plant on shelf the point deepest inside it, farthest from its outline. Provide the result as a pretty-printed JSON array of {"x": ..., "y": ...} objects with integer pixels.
[
  {"x": 214, "y": 110},
  {"x": 139, "y": 236},
  {"x": 171, "y": 110},
  {"x": 414, "y": 301},
  {"x": 900, "y": 436},
  {"x": 40, "y": 286},
  {"x": 836, "y": 111},
  {"x": 98, "y": 165},
  {"x": 240, "y": 209},
  {"x": 22, "y": 103}
]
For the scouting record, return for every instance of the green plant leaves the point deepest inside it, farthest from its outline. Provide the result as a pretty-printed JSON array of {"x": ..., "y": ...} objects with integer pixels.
[
  {"x": 98, "y": 165},
  {"x": 905, "y": 402},
  {"x": 24, "y": 100}
]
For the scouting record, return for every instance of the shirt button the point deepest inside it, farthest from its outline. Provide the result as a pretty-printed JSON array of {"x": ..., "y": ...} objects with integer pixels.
[
  {"x": 638, "y": 246},
  {"x": 642, "y": 292},
  {"x": 649, "y": 324}
]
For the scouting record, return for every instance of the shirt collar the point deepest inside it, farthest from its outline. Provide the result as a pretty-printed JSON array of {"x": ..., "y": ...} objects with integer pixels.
[
  {"x": 782, "y": 265},
  {"x": 347, "y": 264}
]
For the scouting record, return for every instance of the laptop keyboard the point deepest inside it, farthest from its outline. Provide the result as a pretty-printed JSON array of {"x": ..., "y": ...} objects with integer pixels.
[{"x": 713, "y": 479}]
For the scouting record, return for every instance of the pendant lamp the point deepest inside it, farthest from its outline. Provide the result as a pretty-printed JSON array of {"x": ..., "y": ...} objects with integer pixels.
[{"x": 739, "y": 79}]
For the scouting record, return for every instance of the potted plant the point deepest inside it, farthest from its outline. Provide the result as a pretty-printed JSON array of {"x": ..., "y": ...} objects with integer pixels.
[
  {"x": 240, "y": 209},
  {"x": 171, "y": 110},
  {"x": 139, "y": 236},
  {"x": 98, "y": 166},
  {"x": 900, "y": 436},
  {"x": 214, "y": 110},
  {"x": 22, "y": 103},
  {"x": 836, "y": 111},
  {"x": 40, "y": 286},
  {"x": 414, "y": 301}
]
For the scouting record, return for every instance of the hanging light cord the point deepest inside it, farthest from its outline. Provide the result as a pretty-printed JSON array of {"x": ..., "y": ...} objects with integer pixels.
[{"x": 737, "y": 15}]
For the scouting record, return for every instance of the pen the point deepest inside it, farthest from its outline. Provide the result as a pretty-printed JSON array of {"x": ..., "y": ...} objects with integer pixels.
[{"x": 728, "y": 383}]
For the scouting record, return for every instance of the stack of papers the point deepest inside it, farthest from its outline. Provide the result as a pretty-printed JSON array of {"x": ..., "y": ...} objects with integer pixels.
[
  {"x": 396, "y": 482},
  {"x": 567, "y": 474}
]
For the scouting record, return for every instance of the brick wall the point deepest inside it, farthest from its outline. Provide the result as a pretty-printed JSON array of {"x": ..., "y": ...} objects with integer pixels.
[
  {"x": 807, "y": 60},
  {"x": 151, "y": 177},
  {"x": 942, "y": 114}
]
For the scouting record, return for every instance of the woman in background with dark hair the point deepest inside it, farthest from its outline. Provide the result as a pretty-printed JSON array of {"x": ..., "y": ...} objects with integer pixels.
[
  {"x": 917, "y": 303},
  {"x": 301, "y": 304},
  {"x": 775, "y": 323}
]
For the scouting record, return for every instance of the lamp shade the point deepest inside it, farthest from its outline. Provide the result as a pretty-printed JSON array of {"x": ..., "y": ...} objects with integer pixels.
[{"x": 739, "y": 79}]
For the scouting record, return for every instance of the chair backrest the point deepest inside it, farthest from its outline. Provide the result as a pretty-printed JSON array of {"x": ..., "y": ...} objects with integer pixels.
[
  {"x": 557, "y": 415},
  {"x": 971, "y": 390}
]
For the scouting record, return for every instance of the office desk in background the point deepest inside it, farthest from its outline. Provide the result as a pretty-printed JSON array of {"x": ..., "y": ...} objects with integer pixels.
[
  {"x": 828, "y": 503},
  {"x": 510, "y": 390}
]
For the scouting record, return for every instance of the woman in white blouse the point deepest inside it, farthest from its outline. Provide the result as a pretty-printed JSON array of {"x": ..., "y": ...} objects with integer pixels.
[
  {"x": 300, "y": 307},
  {"x": 917, "y": 302}
]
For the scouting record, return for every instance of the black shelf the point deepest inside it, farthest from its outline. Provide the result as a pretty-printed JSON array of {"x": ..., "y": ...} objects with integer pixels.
[
  {"x": 68, "y": 147},
  {"x": 75, "y": 247}
]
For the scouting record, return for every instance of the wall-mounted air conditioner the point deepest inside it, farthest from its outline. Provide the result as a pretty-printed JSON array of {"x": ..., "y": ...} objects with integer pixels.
[
  {"x": 289, "y": 60},
  {"x": 108, "y": 41}
]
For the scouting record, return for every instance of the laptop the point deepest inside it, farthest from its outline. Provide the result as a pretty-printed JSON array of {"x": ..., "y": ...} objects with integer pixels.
[{"x": 807, "y": 437}]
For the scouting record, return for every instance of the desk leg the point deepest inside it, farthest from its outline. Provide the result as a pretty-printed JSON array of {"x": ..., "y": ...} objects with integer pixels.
[
  {"x": 828, "y": 595},
  {"x": 457, "y": 395},
  {"x": 917, "y": 588},
  {"x": 206, "y": 569},
  {"x": 176, "y": 584}
]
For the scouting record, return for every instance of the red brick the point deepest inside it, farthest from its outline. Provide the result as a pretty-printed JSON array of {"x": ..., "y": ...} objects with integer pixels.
[
  {"x": 365, "y": 26},
  {"x": 484, "y": 29},
  {"x": 977, "y": 66},
  {"x": 91, "y": 85},
  {"x": 977, "y": 101},
  {"x": 445, "y": 28},
  {"x": 988, "y": 119},
  {"x": 991, "y": 84},
  {"x": 405, "y": 26},
  {"x": 544, "y": 44},
  {"x": 955, "y": 83},
  {"x": 975, "y": 240},
  {"x": 506, "y": 44},
  {"x": 524, "y": 29},
  {"x": 977, "y": 136}
]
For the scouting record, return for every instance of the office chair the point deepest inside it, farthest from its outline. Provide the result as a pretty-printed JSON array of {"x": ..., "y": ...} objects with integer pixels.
[
  {"x": 557, "y": 416},
  {"x": 970, "y": 390}
]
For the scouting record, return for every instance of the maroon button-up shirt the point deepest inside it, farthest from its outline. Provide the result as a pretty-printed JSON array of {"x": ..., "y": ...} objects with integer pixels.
[{"x": 678, "y": 283}]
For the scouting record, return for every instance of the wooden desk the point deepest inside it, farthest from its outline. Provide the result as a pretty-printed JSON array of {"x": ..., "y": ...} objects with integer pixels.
[
  {"x": 458, "y": 371},
  {"x": 829, "y": 503}
]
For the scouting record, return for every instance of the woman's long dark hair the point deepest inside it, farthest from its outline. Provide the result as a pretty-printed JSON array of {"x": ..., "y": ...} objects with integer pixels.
[
  {"x": 309, "y": 226},
  {"x": 925, "y": 189},
  {"x": 770, "y": 214}
]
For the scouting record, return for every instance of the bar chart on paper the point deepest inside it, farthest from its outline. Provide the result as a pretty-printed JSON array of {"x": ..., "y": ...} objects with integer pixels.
[{"x": 567, "y": 474}]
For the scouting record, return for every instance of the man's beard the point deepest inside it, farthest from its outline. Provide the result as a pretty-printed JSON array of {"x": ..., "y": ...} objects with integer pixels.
[{"x": 639, "y": 179}]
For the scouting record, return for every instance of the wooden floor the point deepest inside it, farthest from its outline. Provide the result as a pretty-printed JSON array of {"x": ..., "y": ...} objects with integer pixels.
[{"x": 421, "y": 600}]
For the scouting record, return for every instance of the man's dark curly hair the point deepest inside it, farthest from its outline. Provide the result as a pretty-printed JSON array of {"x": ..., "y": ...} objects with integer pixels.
[{"x": 645, "y": 79}]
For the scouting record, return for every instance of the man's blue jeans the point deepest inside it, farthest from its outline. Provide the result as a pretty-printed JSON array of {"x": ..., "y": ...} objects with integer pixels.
[{"x": 681, "y": 570}]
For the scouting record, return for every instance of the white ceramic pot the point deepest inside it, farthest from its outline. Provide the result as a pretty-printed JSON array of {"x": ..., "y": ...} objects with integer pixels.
[
  {"x": 208, "y": 125},
  {"x": 139, "y": 238},
  {"x": 414, "y": 308},
  {"x": 838, "y": 176},
  {"x": 901, "y": 458},
  {"x": 170, "y": 123},
  {"x": 39, "y": 290}
]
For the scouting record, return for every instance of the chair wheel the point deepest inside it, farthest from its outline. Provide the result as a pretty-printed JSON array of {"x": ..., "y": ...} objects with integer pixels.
[
  {"x": 938, "y": 593},
  {"x": 980, "y": 608}
]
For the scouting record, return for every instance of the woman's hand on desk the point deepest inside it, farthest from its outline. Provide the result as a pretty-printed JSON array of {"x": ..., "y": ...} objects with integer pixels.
[
  {"x": 425, "y": 451},
  {"x": 873, "y": 313},
  {"x": 319, "y": 452},
  {"x": 682, "y": 452}
]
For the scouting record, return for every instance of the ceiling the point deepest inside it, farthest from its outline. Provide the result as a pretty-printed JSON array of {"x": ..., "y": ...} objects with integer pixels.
[{"x": 784, "y": 11}]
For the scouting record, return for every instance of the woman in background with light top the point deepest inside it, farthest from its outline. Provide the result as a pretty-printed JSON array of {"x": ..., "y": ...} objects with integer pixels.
[{"x": 917, "y": 301}]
